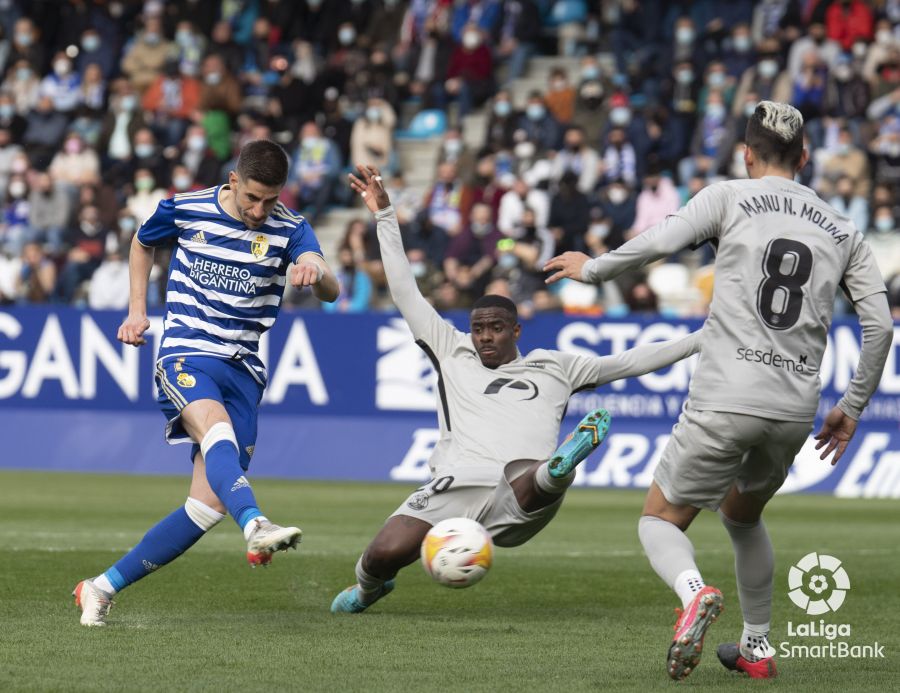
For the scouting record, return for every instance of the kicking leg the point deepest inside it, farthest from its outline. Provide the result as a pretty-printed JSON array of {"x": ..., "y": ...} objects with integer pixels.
[
  {"x": 754, "y": 567},
  {"x": 162, "y": 544},
  {"x": 544, "y": 482},
  {"x": 394, "y": 547},
  {"x": 662, "y": 532},
  {"x": 207, "y": 422}
]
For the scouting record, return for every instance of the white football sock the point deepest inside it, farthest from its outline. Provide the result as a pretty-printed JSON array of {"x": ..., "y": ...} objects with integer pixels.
[
  {"x": 671, "y": 554},
  {"x": 104, "y": 584},
  {"x": 250, "y": 526},
  {"x": 552, "y": 485},
  {"x": 687, "y": 584}
]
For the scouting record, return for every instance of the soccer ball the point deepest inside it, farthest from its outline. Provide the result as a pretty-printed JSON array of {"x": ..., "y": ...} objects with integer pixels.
[{"x": 457, "y": 552}]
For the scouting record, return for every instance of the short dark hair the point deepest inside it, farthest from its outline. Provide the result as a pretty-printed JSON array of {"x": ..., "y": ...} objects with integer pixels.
[
  {"x": 263, "y": 161},
  {"x": 775, "y": 134},
  {"x": 497, "y": 301}
]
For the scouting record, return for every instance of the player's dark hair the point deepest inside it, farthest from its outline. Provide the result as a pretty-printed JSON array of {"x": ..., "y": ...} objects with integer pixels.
[
  {"x": 775, "y": 134},
  {"x": 263, "y": 161},
  {"x": 497, "y": 301}
]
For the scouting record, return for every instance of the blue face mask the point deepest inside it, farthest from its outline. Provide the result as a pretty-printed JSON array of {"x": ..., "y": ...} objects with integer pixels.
[
  {"x": 535, "y": 111},
  {"x": 590, "y": 72},
  {"x": 502, "y": 109}
]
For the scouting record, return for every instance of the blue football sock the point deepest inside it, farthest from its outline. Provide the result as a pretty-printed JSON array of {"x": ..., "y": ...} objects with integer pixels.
[
  {"x": 165, "y": 542},
  {"x": 225, "y": 476}
]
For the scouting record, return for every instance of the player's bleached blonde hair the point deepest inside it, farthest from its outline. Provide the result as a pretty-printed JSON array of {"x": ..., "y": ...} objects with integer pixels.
[
  {"x": 775, "y": 134},
  {"x": 781, "y": 118}
]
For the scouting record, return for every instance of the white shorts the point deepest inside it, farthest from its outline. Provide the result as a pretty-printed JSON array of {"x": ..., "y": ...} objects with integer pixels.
[
  {"x": 710, "y": 451},
  {"x": 495, "y": 507}
]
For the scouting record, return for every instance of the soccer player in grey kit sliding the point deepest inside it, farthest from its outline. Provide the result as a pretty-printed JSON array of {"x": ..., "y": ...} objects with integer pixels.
[{"x": 497, "y": 460}]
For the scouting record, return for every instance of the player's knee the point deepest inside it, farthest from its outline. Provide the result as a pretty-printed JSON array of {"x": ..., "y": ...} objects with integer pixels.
[
  {"x": 218, "y": 433},
  {"x": 204, "y": 516},
  {"x": 387, "y": 554}
]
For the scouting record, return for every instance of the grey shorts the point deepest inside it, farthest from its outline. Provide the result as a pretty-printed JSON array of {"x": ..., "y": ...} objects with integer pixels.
[
  {"x": 495, "y": 507},
  {"x": 710, "y": 451}
]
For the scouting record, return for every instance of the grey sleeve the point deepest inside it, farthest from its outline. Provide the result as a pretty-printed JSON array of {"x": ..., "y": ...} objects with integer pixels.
[
  {"x": 877, "y": 338},
  {"x": 587, "y": 371},
  {"x": 862, "y": 277},
  {"x": 426, "y": 324},
  {"x": 699, "y": 220}
]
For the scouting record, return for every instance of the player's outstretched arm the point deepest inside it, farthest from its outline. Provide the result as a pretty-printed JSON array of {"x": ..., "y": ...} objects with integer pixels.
[
  {"x": 877, "y": 336},
  {"x": 418, "y": 313},
  {"x": 646, "y": 358},
  {"x": 699, "y": 220},
  {"x": 140, "y": 262}
]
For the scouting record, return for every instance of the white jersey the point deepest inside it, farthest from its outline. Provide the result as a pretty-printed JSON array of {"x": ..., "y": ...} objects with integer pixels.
[
  {"x": 492, "y": 416},
  {"x": 782, "y": 254}
]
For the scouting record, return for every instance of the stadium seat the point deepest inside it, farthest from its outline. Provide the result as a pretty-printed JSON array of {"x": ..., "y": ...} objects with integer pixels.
[{"x": 425, "y": 124}]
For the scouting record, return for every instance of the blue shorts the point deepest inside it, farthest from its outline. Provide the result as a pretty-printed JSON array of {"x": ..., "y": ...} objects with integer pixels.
[{"x": 181, "y": 380}]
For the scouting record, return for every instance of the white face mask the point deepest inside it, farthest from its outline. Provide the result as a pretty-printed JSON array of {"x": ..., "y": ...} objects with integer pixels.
[
  {"x": 62, "y": 67},
  {"x": 524, "y": 150},
  {"x": 617, "y": 195},
  {"x": 196, "y": 143},
  {"x": 884, "y": 224},
  {"x": 17, "y": 189},
  {"x": 620, "y": 115},
  {"x": 213, "y": 78},
  {"x": 346, "y": 36},
  {"x": 471, "y": 40},
  {"x": 768, "y": 68},
  {"x": 883, "y": 37},
  {"x": 181, "y": 182}
]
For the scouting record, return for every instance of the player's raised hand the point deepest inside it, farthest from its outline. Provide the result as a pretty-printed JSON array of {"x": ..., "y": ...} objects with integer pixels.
[
  {"x": 131, "y": 331},
  {"x": 568, "y": 265},
  {"x": 306, "y": 273},
  {"x": 370, "y": 187},
  {"x": 835, "y": 434}
]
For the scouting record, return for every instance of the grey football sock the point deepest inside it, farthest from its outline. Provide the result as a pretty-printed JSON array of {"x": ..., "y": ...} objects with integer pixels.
[
  {"x": 754, "y": 567},
  {"x": 671, "y": 554},
  {"x": 369, "y": 586}
]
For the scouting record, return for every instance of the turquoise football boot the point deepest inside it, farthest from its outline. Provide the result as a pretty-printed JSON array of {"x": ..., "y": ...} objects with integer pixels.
[
  {"x": 587, "y": 436},
  {"x": 348, "y": 601}
]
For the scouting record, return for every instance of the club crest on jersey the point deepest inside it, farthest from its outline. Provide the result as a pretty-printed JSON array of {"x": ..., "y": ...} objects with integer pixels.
[
  {"x": 185, "y": 380},
  {"x": 259, "y": 246},
  {"x": 250, "y": 449}
]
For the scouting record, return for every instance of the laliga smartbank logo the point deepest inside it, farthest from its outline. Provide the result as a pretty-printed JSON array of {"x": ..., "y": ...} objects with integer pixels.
[{"x": 819, "y": 584}]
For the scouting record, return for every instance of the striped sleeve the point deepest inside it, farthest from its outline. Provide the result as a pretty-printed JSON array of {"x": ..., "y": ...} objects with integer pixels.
[{"x": 160, "y": 228}]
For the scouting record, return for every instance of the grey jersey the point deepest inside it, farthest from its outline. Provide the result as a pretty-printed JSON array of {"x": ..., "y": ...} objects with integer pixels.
[
  {"x": 782, "y": 254},
  {"x": 489, "y": 417}
]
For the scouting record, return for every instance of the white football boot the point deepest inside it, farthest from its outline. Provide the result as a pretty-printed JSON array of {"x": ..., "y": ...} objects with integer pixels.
[
  {"x": 267, "y": 538},
  {"x": 93, "y": 602}
]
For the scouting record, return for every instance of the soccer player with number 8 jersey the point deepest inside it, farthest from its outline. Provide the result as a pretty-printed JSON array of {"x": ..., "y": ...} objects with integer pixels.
[{"x": 782, "y": 254}]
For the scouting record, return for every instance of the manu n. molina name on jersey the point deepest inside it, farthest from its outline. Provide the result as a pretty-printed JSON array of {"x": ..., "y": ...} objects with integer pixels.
[
  {"x": 762, "y": 204},
  {"x": 219, "y": 275}
]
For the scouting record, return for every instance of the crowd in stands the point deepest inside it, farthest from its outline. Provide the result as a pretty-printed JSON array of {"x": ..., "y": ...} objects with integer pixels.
[{"x": 109, "y": 106}]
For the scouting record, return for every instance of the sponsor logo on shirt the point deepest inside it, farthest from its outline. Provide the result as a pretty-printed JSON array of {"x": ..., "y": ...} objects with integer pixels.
[
  {"x": 219, "y": 275},
  {"x": 525, "y": 387},
  {"x": 773, "y": 360}
]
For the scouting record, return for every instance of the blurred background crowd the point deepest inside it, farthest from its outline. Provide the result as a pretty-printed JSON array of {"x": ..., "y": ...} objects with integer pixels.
[{"x": 510, "y": 131}]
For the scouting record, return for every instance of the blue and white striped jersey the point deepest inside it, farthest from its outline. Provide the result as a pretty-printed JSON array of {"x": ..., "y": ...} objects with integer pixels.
[{"x": 225, "y": 280}]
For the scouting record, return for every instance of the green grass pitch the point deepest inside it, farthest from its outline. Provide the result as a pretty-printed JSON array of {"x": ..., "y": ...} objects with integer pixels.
[{"x": 576, "y": 609}]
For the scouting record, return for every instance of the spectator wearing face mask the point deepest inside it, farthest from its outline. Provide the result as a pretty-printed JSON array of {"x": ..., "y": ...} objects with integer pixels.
[
  {"x": 109, "y": 287},
  {"x": 539, "y": 124},
  {"x": 815, "y": 41},
  {"x": 356, "y": 286},
  {"x": 220, "y": 101},
  {"x": 314, "y": 171},
  {"x": 579, "y": 158},
  {"x": 470, "y": 74},
  {"x": 121, "y": 123},
  {"x": 472, "y": 253},
  {"x": 169, "y": 103},
  {"x": 15, "y": 231},
  {"x": 372, "y": 137},
  {"x": 502, "y": 123},
  {"x": 455, "y": 151},
  {"x": 618, "y": 205},
  {"x": 27, "y": 45},
  {"x": 49, "y": 209},
  {"x": 569, "y": 215},
  {"x": 658, "y": 199},
  {"x": 62, "y": 85},
  {"x": 687, "y": 45},
  {"x": 766, "y": 79},
  {"x": 845, "y": 160},
  {"x": 37, "y": 275},
  {"x": 95, "y": 51},
  {"x": 848, "y": 94},
  {"x": 739, "y": 53},
  {"x": 9, "y": 151},
  {"x": 619, "y": 158},
  {"x": 147, "y": 55},
  {"x": 76, "y": 164},
  {"x": 182, "y": 181},
  {"x": 560, "y": 96},
  {"x": 23, "y": 83},
  {"x": 879, "y": 52},
  {"x": 88, "y": 244},
  {"x": 198, "y": 158},
  {"x": 147, "y": 195},
  {"x": 710, "y": 134}
]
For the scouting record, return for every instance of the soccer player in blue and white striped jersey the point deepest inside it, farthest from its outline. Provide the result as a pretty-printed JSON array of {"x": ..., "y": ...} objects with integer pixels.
[{"x": 235, "y": 247}]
